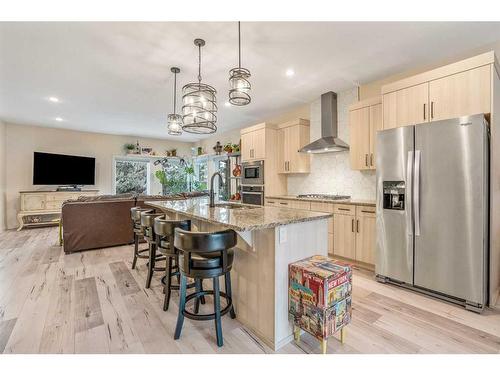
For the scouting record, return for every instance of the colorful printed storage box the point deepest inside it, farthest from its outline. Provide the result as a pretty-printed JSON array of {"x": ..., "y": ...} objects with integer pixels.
[{"x": 320, "y": 297}]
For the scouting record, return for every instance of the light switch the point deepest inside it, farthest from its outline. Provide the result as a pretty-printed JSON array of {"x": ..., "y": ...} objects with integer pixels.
[{"x": 282, "y": 234}]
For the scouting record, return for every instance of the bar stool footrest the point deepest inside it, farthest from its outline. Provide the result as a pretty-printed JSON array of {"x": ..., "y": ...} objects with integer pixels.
[{"x": 203, "y": 293}]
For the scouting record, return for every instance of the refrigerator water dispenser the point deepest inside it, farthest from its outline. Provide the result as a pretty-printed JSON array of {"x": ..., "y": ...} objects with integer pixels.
[{"x": 394, "y": 195}]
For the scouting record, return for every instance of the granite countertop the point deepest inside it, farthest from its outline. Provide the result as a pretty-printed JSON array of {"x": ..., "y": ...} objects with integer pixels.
[
  {"x": 357, "y": 202},
  {"x": 253, "y": 218}
]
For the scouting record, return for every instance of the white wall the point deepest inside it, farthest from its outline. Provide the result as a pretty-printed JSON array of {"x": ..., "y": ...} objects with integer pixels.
[
  {"x": 331, "y": 173},
  {"x": 21, "y": 141},
  {"x": 2, "y": 176}
]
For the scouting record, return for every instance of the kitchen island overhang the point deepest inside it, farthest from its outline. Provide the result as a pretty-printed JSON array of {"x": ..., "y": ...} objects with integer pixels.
[{"x": 269, "y": 239}]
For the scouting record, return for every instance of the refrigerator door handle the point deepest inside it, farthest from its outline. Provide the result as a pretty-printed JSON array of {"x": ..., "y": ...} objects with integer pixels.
[
  {"x": 416, "y": 195},
  {"x": 409, "y": 174}
]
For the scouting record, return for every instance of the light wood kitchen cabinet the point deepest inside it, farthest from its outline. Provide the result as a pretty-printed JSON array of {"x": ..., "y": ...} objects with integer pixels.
[
  {"x": 408, "y": 106},
  {"x": 344, "y": 239},
  {"x": 359, "y": 149},
  {"x": 354, "y": 236},
  {"x": 461, "y": 94},
  {"x": 365, "y": 234},
  {"x": 459, "y": 89},
  {"x": 292, "y": 136},
  {"x": 253, "y": 145},
  {"x": 365, "y": 119},
  {"x": 326, "y": 207},
  {"x": 376, "y": 124}
]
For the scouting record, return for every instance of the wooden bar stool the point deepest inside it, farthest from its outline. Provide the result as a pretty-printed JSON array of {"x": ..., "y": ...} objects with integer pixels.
[
  {"x": 147, "y": 224},
  {"x": 164, "y": 231},
  {"x": 205, "y": 256},
  {"x": 135, "y": 215}
]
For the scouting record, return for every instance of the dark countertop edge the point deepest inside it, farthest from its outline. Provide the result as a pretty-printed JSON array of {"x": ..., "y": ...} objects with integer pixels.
[
  {"x": 340, "y": 201},
  {"x": 320, "y": 216}
]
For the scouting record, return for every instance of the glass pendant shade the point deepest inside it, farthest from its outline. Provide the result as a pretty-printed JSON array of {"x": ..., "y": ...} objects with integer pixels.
[
  {"x": 239, "y": 85},
  {"x": 174, "y": 121},
  {"x": 174, "y": 124},
  {"x": 199, "y": 103}
]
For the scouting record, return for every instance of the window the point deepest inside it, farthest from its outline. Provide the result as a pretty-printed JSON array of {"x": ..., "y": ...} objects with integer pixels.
[
  {"x": 200, "y": 178},
  {"x": 131, "y": 176}
]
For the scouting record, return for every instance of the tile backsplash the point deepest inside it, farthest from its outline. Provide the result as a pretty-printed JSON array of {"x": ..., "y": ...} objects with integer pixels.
[{"x": 331, "y": 173}]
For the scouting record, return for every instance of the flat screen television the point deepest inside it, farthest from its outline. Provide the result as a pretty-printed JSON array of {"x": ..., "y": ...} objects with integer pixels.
[{"x": 56, "y": 169}]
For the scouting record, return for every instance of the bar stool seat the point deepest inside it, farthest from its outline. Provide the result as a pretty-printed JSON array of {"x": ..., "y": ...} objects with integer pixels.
[{"x": 210, "y": 260}]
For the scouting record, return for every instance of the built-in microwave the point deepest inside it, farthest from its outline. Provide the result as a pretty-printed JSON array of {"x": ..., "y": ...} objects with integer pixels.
[{"x": 253, "y": 173}]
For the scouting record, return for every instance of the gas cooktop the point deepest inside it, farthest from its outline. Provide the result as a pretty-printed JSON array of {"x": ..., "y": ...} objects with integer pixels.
[{"x": 332, "y": 197}]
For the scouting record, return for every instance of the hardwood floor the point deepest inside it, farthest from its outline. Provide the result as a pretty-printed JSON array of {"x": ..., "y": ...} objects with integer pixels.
[{"x": 92, "y": 302}]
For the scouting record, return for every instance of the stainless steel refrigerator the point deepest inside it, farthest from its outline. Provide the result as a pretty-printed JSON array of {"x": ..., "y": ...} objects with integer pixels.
[{"x": 432, "y": 209}]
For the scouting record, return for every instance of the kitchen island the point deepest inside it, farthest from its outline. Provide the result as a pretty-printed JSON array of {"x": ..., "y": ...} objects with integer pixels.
[{"x": 269, "y": 239}]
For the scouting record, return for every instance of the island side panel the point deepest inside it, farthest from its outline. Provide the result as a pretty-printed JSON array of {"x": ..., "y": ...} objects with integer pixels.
[{"x": 298, "y": 241}]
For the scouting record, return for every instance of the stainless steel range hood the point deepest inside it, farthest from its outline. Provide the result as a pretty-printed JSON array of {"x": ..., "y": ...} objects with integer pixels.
[{"x": 329, "y": 142}]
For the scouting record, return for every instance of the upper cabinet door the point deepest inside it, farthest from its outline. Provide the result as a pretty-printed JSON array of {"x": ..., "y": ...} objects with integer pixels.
[
  {"x": 297, "y": 137},
  {"x": 375, "y": 126},
  {"x": 412, "y": 105},
  {"x": 461, "y": 94},
  {"x": 282, "y": 150},
  {"x": 390, "y": 111},
  {"x": 359, "y": 127},
  {"x": 259, "y": 144},
  {"x": 246, "y": 146}
]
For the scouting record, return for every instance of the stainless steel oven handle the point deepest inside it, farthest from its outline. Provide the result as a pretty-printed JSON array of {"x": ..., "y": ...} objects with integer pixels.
[
  {"x": 253, "y": 192},
  {"x": 416, "y": 195},
  {"x": 408, "y": 200}
]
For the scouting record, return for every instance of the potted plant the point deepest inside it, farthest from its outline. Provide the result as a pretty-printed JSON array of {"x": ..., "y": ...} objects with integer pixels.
[{"x": 129, "y": 148}]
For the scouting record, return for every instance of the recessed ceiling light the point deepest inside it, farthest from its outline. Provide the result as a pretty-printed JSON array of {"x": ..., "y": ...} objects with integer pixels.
[
  {"x": 290, "y": 72},
  {"x": 53, "y": 99},
  {"x": 227, "y": 104},
  {"x": 59, "y": 119}
]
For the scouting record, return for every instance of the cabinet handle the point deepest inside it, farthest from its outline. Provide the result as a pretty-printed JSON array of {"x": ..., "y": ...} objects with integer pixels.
[
  {"x": 284, "y": 203},
  {"x": 366, "y": 160},
  {"x": 371, "y": 159},
  {"x": 357, "y": 226},
  {"x": 368, "y": 212},
  {"x": 352, "y": 225},
  {"x": 424, "y": 111},
  {"x": 432, "y": 110},
  {"x": 343, "y": 209},
  {"x": 288, "y": 166}
]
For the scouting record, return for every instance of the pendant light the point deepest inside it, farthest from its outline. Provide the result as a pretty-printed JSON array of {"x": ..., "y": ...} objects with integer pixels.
[
  {"x": 174, "y": 121},
  {"x": 239, "y": 86},
  {"x": 199, "y": 107}
]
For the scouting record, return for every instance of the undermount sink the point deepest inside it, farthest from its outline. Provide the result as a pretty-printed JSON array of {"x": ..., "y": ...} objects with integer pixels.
[{"x": 234, "y": 206}]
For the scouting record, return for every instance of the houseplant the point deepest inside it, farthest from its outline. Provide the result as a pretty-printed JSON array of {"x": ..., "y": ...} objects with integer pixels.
[{"x": 129, "y": 148}]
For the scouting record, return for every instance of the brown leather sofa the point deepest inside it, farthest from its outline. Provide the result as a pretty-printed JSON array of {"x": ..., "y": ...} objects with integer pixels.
[{"x": 103, "y": 221}]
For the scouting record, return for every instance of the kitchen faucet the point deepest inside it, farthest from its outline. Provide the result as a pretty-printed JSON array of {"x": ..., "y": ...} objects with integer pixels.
[{"x": 212, "y": 192}]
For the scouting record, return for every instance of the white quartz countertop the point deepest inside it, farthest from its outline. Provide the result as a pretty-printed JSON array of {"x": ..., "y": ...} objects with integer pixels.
[{"x": 239, "y": 219}]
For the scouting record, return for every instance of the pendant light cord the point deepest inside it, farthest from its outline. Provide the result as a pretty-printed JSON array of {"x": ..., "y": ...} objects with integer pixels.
[
  {"x": 199, "y": 65},
  {"x": 239, "y": 45},
  {"x": 175, "y": 90}
]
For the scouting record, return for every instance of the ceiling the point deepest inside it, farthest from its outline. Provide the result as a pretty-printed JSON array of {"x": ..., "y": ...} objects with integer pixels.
[{"x": 115, "y": 77}]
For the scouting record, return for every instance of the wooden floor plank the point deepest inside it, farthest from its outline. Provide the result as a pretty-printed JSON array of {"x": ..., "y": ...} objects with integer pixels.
[
  {"x": 6, "y": 328},
  {"x": 88, "y": 312},
  {"x": 58, "y": 332}
]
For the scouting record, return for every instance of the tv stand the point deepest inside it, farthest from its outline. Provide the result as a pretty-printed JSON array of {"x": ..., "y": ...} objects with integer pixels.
[
  {"x": 69, "y": 188},
  {"x": 41, "y": 207}
]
